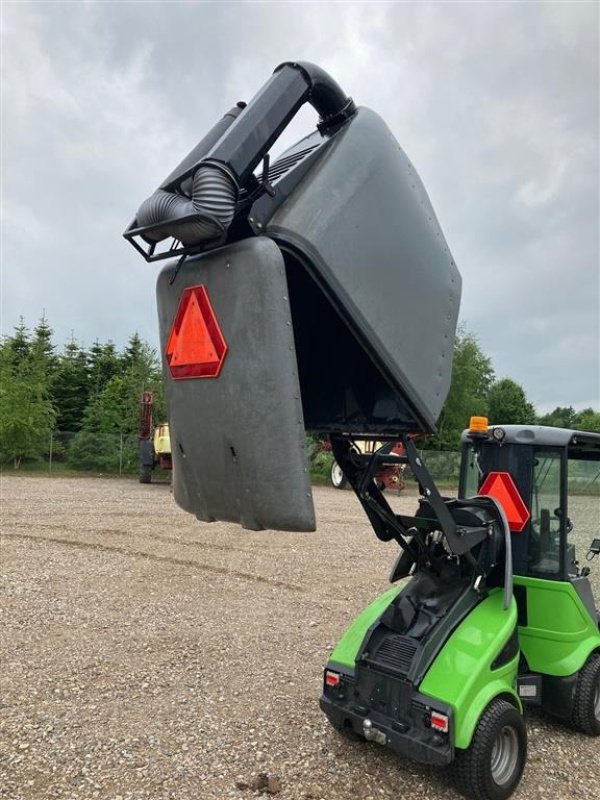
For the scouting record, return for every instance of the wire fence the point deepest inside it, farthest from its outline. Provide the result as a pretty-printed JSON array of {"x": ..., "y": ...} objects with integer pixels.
[
  {"x": 64, "y": 452},
  {"x": 443, "y": 466},
  {"x": 112, "y": 453},
  {"x": 118, "y": 454}
]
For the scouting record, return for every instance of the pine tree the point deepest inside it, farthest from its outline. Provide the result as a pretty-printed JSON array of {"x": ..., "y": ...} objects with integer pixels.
[
  {"x": 27, "y": 415},
  {"x": 19, "y": 343},
  {"x": 113, "y": 412},
  {"x": 43, "y": 346},
  {"x": 116, "y": 408},
  {"x": 134, "y": 351},
  {"x": 70, "y": 387},
  {"x": 103, "y": 364}
]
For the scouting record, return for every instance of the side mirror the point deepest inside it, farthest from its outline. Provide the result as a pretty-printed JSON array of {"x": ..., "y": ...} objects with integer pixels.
[{"x": 594, "y": 550}]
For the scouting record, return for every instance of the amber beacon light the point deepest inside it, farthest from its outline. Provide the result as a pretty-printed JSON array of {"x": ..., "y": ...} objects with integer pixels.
[{"x": 478, "y": 424}]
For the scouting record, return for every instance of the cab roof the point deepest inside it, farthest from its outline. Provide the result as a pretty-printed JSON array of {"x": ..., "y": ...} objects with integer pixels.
[{"x": 577, "y": 441}]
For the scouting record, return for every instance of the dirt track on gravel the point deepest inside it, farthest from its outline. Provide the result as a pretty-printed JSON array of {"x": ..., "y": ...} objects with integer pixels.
[{"x": 146, "y": 655}]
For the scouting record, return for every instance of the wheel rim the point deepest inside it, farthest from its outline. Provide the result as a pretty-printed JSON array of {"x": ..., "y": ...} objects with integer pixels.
[
  {"x": 337, "y": 476},
  {"x": 597, "y": 699},
  {"x": 505, "y": 755}
]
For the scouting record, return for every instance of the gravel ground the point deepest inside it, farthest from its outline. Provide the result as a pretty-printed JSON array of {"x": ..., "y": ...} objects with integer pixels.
[{"x": 146, "y": 655}]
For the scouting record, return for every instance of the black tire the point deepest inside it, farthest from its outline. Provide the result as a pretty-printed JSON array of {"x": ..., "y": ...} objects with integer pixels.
[
  {"x": 145, "y": 474},
  {"x": 586, "y": 708},
  {"x": 338, "y": 479},
  {"x": 492, "y": 766}
]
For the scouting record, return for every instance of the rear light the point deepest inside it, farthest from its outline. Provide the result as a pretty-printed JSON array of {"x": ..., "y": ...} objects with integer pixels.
[
  {"x": 332, "y": 678},
  {"x": 439, "y": 722}
]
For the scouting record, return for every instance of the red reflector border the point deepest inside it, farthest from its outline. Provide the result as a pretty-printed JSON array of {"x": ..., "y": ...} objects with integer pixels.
[{"x": 196, "y": 347}]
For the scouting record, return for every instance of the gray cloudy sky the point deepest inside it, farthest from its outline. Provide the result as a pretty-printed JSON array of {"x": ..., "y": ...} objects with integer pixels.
[{"x": 495, "y": 103}]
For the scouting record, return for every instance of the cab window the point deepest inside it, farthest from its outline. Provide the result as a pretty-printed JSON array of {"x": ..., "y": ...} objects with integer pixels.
[
  {"x": 584, "y": 501},
  {"x": 544, "y": 538}
]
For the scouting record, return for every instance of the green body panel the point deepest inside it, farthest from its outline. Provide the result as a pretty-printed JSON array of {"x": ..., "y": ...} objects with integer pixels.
[
  {"x": 560, "y": 633},
  {"x": 462, "y": 676},
  {"x": 348, "y": 646}
]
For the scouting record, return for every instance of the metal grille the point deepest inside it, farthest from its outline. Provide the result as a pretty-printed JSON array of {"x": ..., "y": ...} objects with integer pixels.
[
  {"x": 396, "y": 653},
  {"x": 283, "y": 165}
]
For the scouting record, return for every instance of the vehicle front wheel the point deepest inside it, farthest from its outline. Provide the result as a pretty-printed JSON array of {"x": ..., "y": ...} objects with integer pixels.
[
  {"x": 492, "y": 766},
  {"x": 338, "y": 479},
  {"x": 586, "y": 709}
]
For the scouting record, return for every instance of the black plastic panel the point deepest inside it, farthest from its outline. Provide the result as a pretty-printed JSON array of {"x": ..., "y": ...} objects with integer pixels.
[
  {"x": 343, "y": 390},
  {"x": 238, "y": 439},
  {"x": 363, "y": 224}
]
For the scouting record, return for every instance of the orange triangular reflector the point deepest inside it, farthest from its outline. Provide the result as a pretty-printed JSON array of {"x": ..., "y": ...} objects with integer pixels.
[
  {"x": 501, "y": 486},
  {"x": 196, "y": 346},
  {"x": 193, "y": 344}
]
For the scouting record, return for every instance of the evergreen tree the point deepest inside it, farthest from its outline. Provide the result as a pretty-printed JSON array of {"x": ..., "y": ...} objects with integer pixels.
[
  {"x": 43, "y": 347},
  {"x": 134, "y": 351},
  {"x": 96, "y": 394},
  {"x": 113, "y": 414},
  {"x": 70, "y": 388},
  {"x": 103, "y": 364},
  {"x": 19, "y": 343},
  {"x": 27, "y": 415},
  {"x": 116, "y": 409}
]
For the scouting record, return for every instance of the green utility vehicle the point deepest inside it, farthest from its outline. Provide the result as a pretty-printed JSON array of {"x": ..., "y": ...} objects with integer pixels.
[
  {"x": 440, "y": 668},
  {"x": 317, "y": 292}
]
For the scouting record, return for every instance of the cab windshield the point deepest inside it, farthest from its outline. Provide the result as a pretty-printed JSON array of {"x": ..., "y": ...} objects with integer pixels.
[
  {"x": 584, "y": 502},
  {"x": 581, "y": 510}
]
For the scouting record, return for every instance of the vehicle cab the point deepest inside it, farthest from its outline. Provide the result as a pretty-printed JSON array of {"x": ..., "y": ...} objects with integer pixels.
[{"x": 547, "y": 479}]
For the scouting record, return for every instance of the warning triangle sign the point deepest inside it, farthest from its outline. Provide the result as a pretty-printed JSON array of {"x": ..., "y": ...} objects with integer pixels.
[
  {"x": 196, "y": 347},
  {"x": 501, "y": 486}
]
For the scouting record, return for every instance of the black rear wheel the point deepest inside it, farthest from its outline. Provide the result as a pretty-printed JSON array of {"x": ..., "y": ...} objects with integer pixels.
[
  {"x": 586, "y": 709},
  {"x": 492, "y": 766}
]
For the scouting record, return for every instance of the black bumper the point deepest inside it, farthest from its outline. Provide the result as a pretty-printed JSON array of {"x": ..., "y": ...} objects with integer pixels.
[{"x": 419, "y": 743}]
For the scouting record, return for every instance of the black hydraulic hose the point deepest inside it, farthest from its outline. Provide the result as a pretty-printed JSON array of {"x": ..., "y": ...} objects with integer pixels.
[
  {"x": 166, "y": 204},
  {"x": 208, "y": 181},
  {"x": 272, "y": 109},
  {"x": 325, "y": 95},
  {"x": 200, "y": 150}
]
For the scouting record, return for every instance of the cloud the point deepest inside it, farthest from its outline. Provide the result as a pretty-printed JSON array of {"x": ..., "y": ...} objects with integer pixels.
[{"x": 496, "y": 104}]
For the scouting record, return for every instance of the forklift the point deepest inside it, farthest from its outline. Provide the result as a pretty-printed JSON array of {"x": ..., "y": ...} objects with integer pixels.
[{"x": 316, "y": 291}]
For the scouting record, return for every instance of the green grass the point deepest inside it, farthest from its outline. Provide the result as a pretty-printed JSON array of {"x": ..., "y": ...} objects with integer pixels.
[{"x": 61, "y": 470}]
